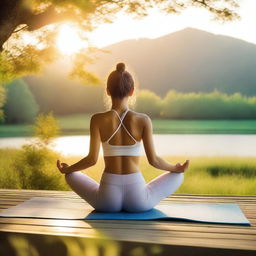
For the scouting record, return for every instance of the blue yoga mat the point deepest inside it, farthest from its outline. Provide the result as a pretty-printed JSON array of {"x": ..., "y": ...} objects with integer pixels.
[
  {"x": 210, "y": 213},
  {"x": 39, "y": 207}
]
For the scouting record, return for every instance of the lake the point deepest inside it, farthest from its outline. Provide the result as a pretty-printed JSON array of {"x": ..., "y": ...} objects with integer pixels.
[{"x": 165, "y": 144}]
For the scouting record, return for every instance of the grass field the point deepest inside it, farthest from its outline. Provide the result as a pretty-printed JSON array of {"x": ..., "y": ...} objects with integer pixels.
[
  {"x": 79, "y": 125},
  {"x": 206, "y": 175}
]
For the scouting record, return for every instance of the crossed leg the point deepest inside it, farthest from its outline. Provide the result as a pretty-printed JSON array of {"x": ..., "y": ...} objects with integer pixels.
[
  {"x": 102, "y": 197},
  {"x": 146, "y": 197},
  {"x": 163, "y": 186},
  {"x": 84, "y": 186}
]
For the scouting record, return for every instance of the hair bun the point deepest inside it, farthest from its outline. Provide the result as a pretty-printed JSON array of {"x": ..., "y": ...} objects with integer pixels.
[{"x": 120, "y": 67}]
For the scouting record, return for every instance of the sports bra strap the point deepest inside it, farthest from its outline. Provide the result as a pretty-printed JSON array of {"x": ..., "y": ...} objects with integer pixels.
[
  {"x": 121, "y": 124},
  {"x": 122, "y": 116}
]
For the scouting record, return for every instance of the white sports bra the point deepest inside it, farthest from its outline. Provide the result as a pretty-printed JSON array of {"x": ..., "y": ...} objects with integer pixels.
[{"x": 121, "y": 150}]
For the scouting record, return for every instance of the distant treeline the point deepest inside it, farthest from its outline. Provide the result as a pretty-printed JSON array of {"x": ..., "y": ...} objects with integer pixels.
[
  {"x": 213, "y": 105},
  {"x": 24, "y": 102}
]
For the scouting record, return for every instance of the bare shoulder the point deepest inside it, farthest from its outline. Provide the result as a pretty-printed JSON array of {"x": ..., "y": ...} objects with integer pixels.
[
  {"x": 97, "y": 117},
  {"x": 142, "y": 117},
  {"x": 100, "y": 116}
]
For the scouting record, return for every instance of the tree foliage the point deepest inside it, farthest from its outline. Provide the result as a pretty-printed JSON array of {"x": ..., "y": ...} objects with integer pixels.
[
  {"x": 20, "y": 106},
  {"x": 148, "y": 102},
  {"x": 214, "y": 105}
]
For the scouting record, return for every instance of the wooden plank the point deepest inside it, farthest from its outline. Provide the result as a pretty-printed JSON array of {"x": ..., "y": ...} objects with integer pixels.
[
  {"x": 156, "y": 225},
  {"x": 244, "y": 207},
  {"x": 173, "y": 238},
  {"x": 180, "y": 197},
  {"x": 248, "y": 203},
  {"x": 134, "y": 224},
  {"x": 153, "y": 232},
  {"x": 189, "y": 196},
  {"x": 249, "y": 208},
  {"x": 212, "y": 200}
]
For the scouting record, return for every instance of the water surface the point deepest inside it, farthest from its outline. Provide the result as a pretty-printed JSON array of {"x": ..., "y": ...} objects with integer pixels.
[{"x": 165, "y": 144}]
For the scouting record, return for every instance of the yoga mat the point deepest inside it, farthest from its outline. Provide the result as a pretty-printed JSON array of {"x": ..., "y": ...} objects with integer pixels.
[{"x": 41, "y": 207}]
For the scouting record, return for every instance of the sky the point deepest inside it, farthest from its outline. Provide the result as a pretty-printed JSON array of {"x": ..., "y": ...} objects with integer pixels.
[{"x": 157, "y": 24}]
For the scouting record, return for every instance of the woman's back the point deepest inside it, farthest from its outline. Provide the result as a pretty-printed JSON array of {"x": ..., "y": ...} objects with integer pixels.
[
  {"x": 121, "y": 142},
  {"x": 122, "y": 186}
]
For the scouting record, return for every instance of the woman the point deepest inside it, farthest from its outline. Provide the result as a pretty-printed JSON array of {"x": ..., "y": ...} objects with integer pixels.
[{"x": 122, "y": 186}]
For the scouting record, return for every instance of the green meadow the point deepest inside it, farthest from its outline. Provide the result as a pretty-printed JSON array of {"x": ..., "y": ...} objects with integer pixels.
[
  {"x": 206, "y": 175},
  {"x": 79, "y": 125}
]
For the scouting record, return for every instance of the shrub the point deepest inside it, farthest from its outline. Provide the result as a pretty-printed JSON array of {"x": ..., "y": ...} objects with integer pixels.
[
  {"x": 36, "y": 168},
  {"x": 245, "y": 171},
  {"x": 46, "y": 128}
]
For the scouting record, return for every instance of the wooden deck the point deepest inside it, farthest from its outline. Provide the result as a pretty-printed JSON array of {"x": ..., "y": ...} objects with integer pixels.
[{"x": 147, "y": 237}]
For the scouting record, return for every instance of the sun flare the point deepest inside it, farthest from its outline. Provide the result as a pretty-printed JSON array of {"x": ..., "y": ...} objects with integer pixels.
[{"x": 68, "y": 40}]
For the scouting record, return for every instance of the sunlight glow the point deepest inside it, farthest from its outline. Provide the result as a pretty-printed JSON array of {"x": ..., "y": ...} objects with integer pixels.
[
  {"x": 158, "y": 24},
  {"x": 68, "y": 40}
]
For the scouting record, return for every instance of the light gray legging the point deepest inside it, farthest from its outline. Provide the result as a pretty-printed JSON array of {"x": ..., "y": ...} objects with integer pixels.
[{"x": 127, "y": 192}]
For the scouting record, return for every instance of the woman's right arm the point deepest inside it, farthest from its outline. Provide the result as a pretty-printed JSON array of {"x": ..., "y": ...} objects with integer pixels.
[
  {"x": 152, "y": 157},
  {"x": 93, "y": 154}
]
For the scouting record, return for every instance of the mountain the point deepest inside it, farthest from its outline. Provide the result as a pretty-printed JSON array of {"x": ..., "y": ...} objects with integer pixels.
[{"x": 189, "y": 60}]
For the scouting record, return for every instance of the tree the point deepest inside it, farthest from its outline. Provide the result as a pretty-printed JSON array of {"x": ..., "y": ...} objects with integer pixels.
[{"x": 20, "y": 106}]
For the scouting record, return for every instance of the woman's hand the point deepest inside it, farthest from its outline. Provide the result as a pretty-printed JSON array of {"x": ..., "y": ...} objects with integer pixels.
[
  {"x": 63, "y": 167},
  {"x": 178, "y": 168}
]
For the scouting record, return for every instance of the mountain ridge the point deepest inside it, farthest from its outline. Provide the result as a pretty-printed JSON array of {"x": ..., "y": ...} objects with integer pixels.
[{"x": 188, "y": 60}]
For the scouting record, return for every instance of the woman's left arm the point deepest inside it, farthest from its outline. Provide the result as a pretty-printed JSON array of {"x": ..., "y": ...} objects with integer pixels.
[{"x": 92, "y": 157}]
